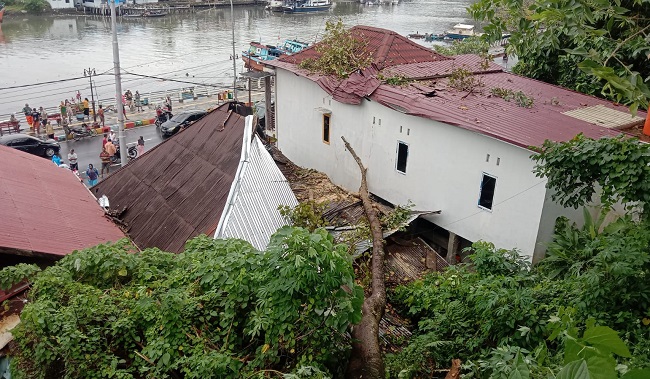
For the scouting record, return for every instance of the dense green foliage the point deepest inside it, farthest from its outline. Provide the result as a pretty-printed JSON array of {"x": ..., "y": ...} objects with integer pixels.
[
  {"x": 619, "y": 168},
  {"x": 498, "y": 300},
  {"x": 220, "y": 309},
  {"x": 598, "y": 47},
  {"x": 36, "y": 6},
  {"x": 341, "y": 53}
]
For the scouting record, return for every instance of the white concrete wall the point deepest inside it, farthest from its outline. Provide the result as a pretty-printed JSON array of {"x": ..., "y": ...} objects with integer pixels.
[
  {"x": 444, "y": 168},
  {"x": 61, "y": 4}
]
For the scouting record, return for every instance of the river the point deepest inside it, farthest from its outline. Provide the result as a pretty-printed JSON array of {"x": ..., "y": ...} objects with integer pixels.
[{"x": 192, "y": 47}]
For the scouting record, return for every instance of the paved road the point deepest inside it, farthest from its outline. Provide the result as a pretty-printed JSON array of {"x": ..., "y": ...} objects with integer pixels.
[{"x": 88, "y": 149}]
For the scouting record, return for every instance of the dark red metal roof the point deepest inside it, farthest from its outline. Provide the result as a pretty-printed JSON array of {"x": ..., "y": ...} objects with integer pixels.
[
  {"x": 45, "y": 210},
  {"x": 428, "y": 95},
  {"x": 386, "y": 47},
  {"x": 178, "y": 189}
]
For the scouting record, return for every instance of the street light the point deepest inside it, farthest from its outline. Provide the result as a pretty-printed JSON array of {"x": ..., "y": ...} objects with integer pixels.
[{"x": 89, "y": 73}]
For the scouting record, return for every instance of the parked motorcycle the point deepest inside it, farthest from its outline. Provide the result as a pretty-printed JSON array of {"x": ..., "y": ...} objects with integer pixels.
[
  {"x": 80, "y": 132},
  {"x": 131, "y": 153}
]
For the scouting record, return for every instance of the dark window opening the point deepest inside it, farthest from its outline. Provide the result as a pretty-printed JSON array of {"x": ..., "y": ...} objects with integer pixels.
[
  {"x": 486, "y": 197},
  {"x": 326, "y": 128},
  {"x": 402, "y": 156}
]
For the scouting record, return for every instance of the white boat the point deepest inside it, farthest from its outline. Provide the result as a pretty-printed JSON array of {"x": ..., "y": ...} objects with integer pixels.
[
  {"x": 304, "y": 6},
  {"x": 461, "y": 31}
]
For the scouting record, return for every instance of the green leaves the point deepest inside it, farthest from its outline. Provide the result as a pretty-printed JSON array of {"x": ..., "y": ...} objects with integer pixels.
[
  {"x": 219, "y": 309},
  {"x": 574, "y": 370},
  {"x": 596, "y": 47},
  {"x": 606, "y": 340}
]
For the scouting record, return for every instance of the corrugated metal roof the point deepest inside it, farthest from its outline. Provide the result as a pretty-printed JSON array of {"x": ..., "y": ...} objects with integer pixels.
[
  {"x": 257, "y": 191},
  {"x": 386, "y": 47},
  {"x": 178, "y": 189},
  {"x": 605, "y": 117},
  {"x": 479, "y": 111},
  {"x": 44, "y": 209}
]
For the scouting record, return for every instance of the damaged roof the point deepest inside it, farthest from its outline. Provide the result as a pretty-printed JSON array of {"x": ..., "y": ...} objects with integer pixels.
[
  {"x": 257, "y": 191},
  {"x": 178, "y": 189},
  {"x": 429, "y": 92},
  {"x": 45, "y": 210}
]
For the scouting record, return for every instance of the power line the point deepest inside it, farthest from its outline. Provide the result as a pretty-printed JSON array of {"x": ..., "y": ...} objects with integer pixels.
[
  {"x": 43, "y": 83},
  {"x": 173, "y": 80}
]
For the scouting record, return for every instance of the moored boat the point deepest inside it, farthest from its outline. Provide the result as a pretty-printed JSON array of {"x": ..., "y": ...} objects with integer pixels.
[
  {"x": 278, "y": 5},
  {"x": 461, "y": 31},
  {"x": 305, "y": 6},
  {"x": 258, "y": 53}
]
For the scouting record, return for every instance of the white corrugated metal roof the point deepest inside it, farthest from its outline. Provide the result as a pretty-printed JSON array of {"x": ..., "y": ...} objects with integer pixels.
[
  {"x": 605, "y": 117},
  {"x": 258, "y": 189}
]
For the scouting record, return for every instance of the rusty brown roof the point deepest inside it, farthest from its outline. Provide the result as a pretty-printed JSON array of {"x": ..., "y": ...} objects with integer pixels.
[
  {"x": 386, "y": 47},
  {"x": 45, "y": 210},
  {"x": 178, "y": 189},
  {"x": 429, "y": 94}
]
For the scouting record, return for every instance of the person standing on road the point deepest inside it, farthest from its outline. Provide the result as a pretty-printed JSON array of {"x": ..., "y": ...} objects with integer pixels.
[
  {"x": 100, "y": 113},
  {"x": 110, "y": 148},
  {"x": 105, "y": 140},
  {"x": 86, "y": 108},
  {"x": 43, "y": 116},
  {"x": 63, "y": 111},
  {"x": 92, "y": 175},
  {"x": 49, "y": 130},
  {"x": 140, "y": 146},
  {"x": 36, "y": 124},
  {"x": 112, "y": 137},
  {"x": 106, "y": 160},
  {"x": 72, "y": 160},
  {"x": 138, "y": 102},
  {"x": 68, "y": 109},
  {"x": 28, "y": 115}
]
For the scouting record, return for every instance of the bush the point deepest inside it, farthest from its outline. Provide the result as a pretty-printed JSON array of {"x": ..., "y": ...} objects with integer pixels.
[{"x": 36, "y": 6}]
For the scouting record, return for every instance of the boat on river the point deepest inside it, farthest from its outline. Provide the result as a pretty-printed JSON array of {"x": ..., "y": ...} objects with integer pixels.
[
  {"x": 278, "y": 5},
  {"x": 458, "y": 32},
  {"x": 306, "y": 6},
  {"x": 152, "y": 13},
  {"x": 258, "y": 54}
]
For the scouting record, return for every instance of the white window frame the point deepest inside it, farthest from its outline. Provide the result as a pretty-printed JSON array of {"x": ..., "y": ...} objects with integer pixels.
[
  {"x": 480, "y": 191},
  {"x": 397, "y": 157}
]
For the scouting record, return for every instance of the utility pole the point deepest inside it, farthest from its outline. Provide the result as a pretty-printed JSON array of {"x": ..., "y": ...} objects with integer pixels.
[
  {"x": 234, "y": 55},
  {"x": 89, "y": 73},
  {"x": 118, "y": 87}
]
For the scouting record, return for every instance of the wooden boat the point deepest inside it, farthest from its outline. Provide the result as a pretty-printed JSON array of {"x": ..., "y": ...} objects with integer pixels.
[
  {"x": 258, "y": 53},
  {"x": 307, "y": 6},
  {"x": 152, "y": 13}
]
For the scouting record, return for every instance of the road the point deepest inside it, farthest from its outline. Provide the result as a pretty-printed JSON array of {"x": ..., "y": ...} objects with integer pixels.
[{"x": 88, "y": 149}]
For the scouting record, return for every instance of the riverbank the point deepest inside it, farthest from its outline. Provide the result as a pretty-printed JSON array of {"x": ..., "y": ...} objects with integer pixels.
[{"x": 21, "y": 8}]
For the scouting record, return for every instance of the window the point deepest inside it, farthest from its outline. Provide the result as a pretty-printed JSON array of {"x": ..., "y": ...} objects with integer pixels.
[
  {"x": 486, "y": 195},
  {"x": 326, "y": 128},
  {"x": 402, "y": 156}
]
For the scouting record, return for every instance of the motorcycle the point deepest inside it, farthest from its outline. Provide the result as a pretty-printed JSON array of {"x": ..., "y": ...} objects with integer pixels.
[
  {"x": 131, "y": 153},
  {"x": 162, "y": 117},
  {"x": 78, "y": 133}
]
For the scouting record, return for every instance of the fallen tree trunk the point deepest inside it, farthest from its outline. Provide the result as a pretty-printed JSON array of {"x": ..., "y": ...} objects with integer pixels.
[{"x": 366, "y": 360}]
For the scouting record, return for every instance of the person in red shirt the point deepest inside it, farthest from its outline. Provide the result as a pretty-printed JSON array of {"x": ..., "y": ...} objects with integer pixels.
[{"x": 106, "y": 161}]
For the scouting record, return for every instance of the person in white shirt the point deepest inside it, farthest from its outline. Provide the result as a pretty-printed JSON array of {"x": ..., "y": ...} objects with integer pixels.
[{"x": 72, "y": 160}]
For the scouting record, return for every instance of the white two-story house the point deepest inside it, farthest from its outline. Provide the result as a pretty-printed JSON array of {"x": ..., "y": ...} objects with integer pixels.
[{"x": 425, "y": 139}]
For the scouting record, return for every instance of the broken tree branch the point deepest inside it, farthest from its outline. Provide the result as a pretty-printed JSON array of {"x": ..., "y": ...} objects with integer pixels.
[{"x": 366, "y": 360}]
